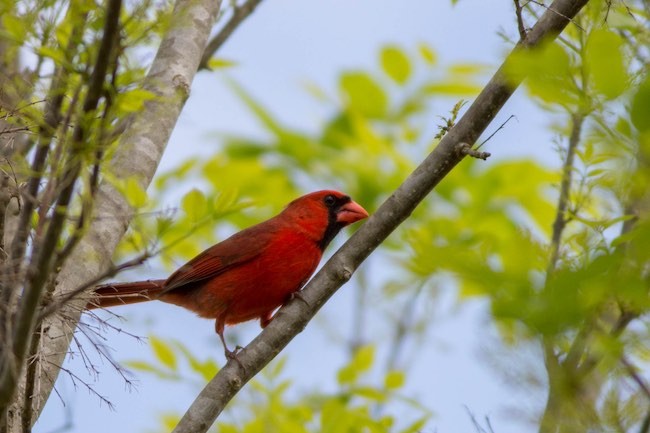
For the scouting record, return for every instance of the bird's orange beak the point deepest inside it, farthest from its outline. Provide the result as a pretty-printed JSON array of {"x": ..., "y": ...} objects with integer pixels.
[{"x": 350, "y": 213}]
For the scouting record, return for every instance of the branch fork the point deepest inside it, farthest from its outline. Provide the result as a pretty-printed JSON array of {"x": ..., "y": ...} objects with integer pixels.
[{"x": 464, "y": 149}]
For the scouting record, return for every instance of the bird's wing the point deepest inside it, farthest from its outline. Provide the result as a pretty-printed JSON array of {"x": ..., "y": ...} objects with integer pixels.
[{"x": 232, "y": 252}]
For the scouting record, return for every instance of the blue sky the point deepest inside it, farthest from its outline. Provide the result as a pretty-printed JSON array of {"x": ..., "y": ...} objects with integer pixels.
[{"x": 285, "y": 44}]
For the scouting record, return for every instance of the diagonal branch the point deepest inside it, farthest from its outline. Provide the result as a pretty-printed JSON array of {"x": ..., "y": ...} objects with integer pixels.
[{"x": 293, "y": 318}]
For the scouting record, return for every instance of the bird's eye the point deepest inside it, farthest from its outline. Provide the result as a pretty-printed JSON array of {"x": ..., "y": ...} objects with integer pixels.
[{"x": 330, "y": 201}]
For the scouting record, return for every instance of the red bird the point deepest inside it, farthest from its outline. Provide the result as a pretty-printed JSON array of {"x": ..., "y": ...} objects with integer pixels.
[{"x": 252, "y": 273}]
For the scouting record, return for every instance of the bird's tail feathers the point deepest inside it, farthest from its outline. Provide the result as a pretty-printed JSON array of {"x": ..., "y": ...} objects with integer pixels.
[{"x": 111, "y": 295}]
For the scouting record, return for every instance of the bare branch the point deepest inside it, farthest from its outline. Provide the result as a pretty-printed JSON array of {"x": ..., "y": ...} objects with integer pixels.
[
  {"x": 632, "y": 371},
  {"x": 520, "y": 21},
  {"x": 239, "y": 14},
  {"x": 292, "y": 319},
  {"x": 464, "y": 149},
  {"x": 565, "y": 188}
]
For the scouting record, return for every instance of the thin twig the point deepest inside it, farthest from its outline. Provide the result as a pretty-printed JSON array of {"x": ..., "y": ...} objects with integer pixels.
[
  {"x": 239, "y": 14},
  {"x": 574, "y": 354},
  {"x": 645, "y": 425},
  {"x": 21, "y": 129},
  {"x": 512, "y": 116},
  {"x": 76, "y": 379},
  {"x": 403, "y": 328},
  {"x": 520, "y": 21},
  {"x": 551, "y": 9},
  {"x": 634, "y": 374},
  {"x": 56, "y": 304},
  {"x": 565, "y": 188}
]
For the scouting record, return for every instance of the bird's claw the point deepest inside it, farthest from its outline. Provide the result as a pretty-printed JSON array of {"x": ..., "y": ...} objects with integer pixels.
[{"x": 231, "y": 355}]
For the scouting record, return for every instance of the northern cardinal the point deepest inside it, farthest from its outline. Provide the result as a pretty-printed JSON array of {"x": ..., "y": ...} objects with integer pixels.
[{"x": 252, "y": 273}]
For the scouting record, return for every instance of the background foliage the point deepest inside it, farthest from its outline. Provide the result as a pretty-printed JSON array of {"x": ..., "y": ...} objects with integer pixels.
[{"x": 559, "y": 253}]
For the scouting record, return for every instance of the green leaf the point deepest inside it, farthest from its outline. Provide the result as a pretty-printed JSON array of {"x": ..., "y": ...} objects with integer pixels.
[
  {"x": 142, "y": 366},
  {"x": 548, "y": 73},
  {"x": 194, "y": 204},
  {"x": 605, "y": 62},
  {"x": 394, "y": 379},
  {"x": 363, "y": 94},
  {"x": 14, "y": 26},
  {"x": 219, "y": 63},
  {"x": 169, "y": 421},
  {"x": 361, "y": 362},
  {"x": 427, "y": 53},
  {"x": 395, "y": 64},
  {"x": 417, "y": 426},
  {"x": 206, "y": 369},
  {"x": 467, "y": 69},
  {"x": 134, "y": 193},
  {"x": 163, "y": 352},
  {"x": 640, "y": 110},
  {"x": 363, "y": 358},
  {"x": 370, "y": 393},
  {"x": 346, "y": 375},
  {"x": 52, "y": 53},
  {"x": 458, "y": 88},
  {"x": 133, "y": 101}
]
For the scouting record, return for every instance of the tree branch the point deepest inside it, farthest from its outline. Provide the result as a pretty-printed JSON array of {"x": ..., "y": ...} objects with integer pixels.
[
  {"x": 239, "y": 14},
  {"x": 633, "y": 372},
  {"x": 521, "y": 27},
  {"x": 565, "y": 189},
  {"x": 292, "y": 319},
  {"x": 137, "y": 156}
]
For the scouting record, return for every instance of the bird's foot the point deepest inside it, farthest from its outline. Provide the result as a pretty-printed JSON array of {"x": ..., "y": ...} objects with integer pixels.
[{"x": 231, "y": 355}]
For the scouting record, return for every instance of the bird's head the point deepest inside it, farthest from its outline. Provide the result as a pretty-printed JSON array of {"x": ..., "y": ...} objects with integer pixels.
[{"x": 325, "y": 213}]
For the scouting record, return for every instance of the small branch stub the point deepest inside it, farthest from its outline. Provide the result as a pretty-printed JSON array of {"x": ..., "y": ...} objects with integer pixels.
[{"x": 463, "y": 149}]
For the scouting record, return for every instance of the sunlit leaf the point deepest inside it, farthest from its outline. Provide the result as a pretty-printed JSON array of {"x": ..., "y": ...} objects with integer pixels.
[
  {"x": 14, "y": 27},
  {"x": 363, "y": 358},
  {"x": 170, "y": 421},
  {"x": 369, "y": 393},
  {"x": 548, "y": 73},
  {"x": 394, "y": 379},
  {"x": 395, "y": 64},
  {"x": 427, "y": 53},
  {"x": 133, "y": 100},
  {"x": 163, "y": 352},
  {"x": 194, "y": 204},
  {"x": 142, "y": 366},
  {"x": 134, "y": 193},
  {"x": 220, "y": 63},
  {"x": 416, "y": 426},
  {"x": 640, "y": 110},
  {"x": 459, "y": 88},
  {"x": 604, "y": 60},
  {"x": 363, "y": 94}
]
